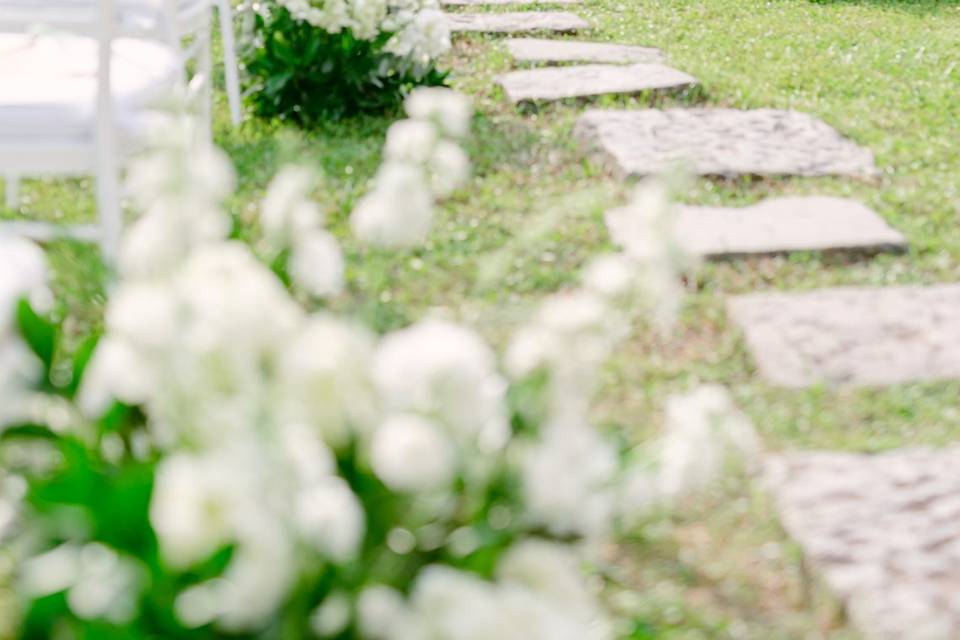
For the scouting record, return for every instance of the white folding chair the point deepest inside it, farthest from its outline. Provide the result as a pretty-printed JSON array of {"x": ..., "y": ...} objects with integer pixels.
[
  {"x": 81, "y": 103},
  {"x": 134, "y": 17}
]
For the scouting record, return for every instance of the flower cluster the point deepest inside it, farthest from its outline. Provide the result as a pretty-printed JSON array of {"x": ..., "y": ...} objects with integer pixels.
[
  {"x": 420, "y": 30},
  {"x": 299, "y": 472},
  {"x": 422, "y": 162}
]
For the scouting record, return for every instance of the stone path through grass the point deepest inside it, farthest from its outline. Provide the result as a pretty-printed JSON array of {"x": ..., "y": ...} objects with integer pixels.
[{"x": 884, "y": 530}]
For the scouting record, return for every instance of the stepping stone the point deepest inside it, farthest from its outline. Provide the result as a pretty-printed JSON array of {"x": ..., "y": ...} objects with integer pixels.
[
  {"x": 518, "y": 22},
  {"x": 537, "y": 50},
  {"x": 854, "y": 336},
  {"x": 781, "y": 225},
  {"x": 481, "y": 3},
  {"x": 721, "y": 142},
  {"x": 883, "y": 531},
  {"x": 584, "y": 81}
]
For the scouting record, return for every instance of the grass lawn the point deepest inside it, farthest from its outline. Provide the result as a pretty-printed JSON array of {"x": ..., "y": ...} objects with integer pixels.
[{"x": 884, "y": 73}]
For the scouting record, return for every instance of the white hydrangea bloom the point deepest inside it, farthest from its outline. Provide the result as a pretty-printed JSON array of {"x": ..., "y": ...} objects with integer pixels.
[
  {"x": 424, "y": 38},
  {"x": 23, "y": 276},
  {"x": 448, "y": 373},
  {"x": 408, "y": 453}
]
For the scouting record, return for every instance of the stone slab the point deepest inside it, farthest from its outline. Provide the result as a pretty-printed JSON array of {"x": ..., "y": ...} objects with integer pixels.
[
  {"x": 590, "y": 80},
  {"x": 490, "y": 3},
  {"x": 517, "y": 22},
  {"x": 884, "y": 532},
  {"x": 721, "y": 142},
  {"x": 853, "y": 336},
  {"x": 542, "y": 51},
  {"x": 781, "y": 225}
]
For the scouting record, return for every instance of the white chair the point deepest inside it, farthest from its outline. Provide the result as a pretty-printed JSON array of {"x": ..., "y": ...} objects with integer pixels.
[
  {"x": 79, "y": 104},
  {"x": 134, "y": 17}
]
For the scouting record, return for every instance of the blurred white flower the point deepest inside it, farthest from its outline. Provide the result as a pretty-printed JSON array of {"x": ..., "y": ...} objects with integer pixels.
[
  {"x": 703, "y": 426},
  {"x": 329, "y": 517},
  {"x": 287, "y": 212},
  {"x": 316, "y": 264},
  {"x": 324, "y": 374},
  {"x": 424, "y": 38},
  {"x": 332, "y": 616},
  {"x": 646, "y": 230},
  {"x": 380, "y": 611},
  {"x": 399, "y": 210},
  {"x": 23, "y": 276},
  {"x": 569, "y": 480},
  {"x": 410, "y": 142},
  {"x": 447, "y": 169},
  {"x": 99, "y": 582},
  {"x": 446, "y": 373},
  {"x": 449, "y": 110},
  {"x": 410, "y": 454}
]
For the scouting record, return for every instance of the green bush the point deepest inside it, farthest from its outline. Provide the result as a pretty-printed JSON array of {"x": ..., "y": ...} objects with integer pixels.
[{"x": 303, "y": 74}]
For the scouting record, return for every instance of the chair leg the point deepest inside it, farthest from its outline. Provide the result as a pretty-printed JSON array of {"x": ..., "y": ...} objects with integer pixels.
[
  {"x": 230, "y": 60},
  {"x": 109, "y": 213},
  {"x": 12, "y": 195}
]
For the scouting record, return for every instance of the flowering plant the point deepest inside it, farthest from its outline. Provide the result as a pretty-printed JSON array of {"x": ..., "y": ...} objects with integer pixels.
[
  {"x": 223, "y": 463},
  {"x": 310, "y": 60}
]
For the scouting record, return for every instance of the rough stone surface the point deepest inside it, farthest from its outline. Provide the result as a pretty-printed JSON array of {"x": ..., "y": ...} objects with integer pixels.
[
  {"x": 883, "y": 530},
  {"x": 854, "y": 336},
  {"x": 780, "y": 225},
  {"x": 584, "y": 81},
  {"x": 537, "y": 50},
  {"x": 518, "y": 22},
  {"x": 480, "y": 3},
  {"x": 721, "y": 142}
]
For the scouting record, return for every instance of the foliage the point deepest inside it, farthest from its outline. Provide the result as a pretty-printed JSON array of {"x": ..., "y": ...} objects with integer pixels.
[{"x": 304, "y": 74}]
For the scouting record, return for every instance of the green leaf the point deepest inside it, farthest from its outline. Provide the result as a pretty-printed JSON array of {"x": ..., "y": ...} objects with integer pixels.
[{"x": 39, "y": 334}]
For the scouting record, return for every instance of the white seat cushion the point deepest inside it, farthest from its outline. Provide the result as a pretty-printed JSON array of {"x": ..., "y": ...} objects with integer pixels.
[
  {"x": 134, "y": 15},
  {"x": 49, "y": 85}
]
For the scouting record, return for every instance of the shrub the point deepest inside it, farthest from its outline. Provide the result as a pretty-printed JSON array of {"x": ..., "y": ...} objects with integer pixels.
[{"x": 307, "y": 63}]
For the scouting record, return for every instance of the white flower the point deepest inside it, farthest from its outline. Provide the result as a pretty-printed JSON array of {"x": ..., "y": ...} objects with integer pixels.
[
  {"x": 329, "y": 517},
  {"x": 286, "y": 212},
  {"x": 191, "y": 507},
  {"x": 100, "y": 584},
  {"x": 448, "y": 168},
  {"x": 409, "y": 454},
  {"x": 568, "y": 480},
  {"x": 23, "y": 275},
  {"x": 316, "y": 264},
  {"x": 701, "y": 426},
  {"x": 448, "y": 109},
  {"x": 324, "y": 376},
  {"x": 446, "y": 372},
  {"x": 380, "y": 611},
  {"x": 612, "y": 276},
  {"x": 422, "y": 39},
  {"x": 410, "y": 141},
  {"x": 398, "y": 212},
  {"x": 332, "y": 616}
]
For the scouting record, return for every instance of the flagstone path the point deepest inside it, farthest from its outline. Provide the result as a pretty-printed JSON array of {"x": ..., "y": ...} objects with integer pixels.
[
  {"x": 584, "y": 81},
  {"x": 491, "y": 3},
  {"x": 883, "y": 530},
  {"x": 860, "y": 336},
  {"x": 539, "y": 50},
  {"x": 720, "y": 142},
  {"x": 782, "y": 225},
  {"x": 518, "y": 22}
]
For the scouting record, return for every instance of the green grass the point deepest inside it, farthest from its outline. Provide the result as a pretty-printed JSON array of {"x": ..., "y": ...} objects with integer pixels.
[{"x": 884, "y": 73}]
